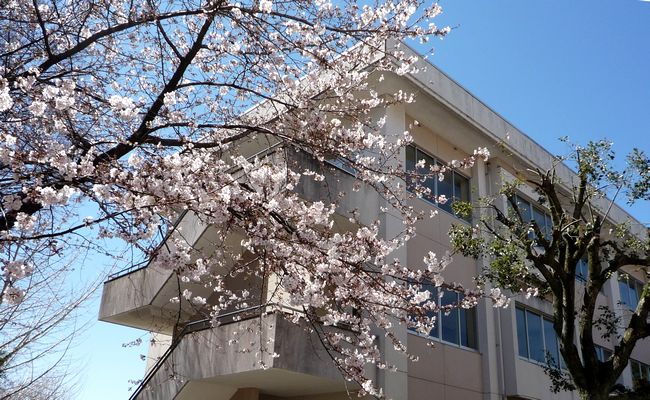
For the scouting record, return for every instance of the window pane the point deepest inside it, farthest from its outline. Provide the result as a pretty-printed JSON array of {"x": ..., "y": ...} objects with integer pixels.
[
  {"x": 625, "y": 296},
  {"x": 540, "y": 218},
  {"x": 446, "y": 188},
  {"x": 468, "y": 327},
  {"x": 535, "y": 339},
  {"x": 550, "y": 339},
  {"x": 606, "y": 354},
  {"x": 461, "y": 189},
  {"x": 636, "y": 373},
  {"x": 521, "y": 333},
  {"x": 430, "y": 182},
  {"x": 639, "y": 290},
  {"x": 524, "y": 208},
  {"x": 410, "y": 166},
  {"x": 449, "y": 323},
  {"x": 549, "y": 227},
  {"x": 582, "y": 270},
  {"x": 435, "y": 332},
  {"x": 633, "y": 294}
]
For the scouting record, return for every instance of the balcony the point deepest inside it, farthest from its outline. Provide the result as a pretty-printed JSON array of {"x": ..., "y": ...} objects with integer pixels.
[{"x": 225, "y": 362}]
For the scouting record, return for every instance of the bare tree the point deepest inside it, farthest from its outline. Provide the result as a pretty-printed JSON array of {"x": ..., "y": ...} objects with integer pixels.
[{"x": 39, "y": 320}]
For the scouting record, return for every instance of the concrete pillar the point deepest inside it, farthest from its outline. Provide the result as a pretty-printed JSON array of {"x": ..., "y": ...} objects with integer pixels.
[
  {"x": 488, "y": 342},
  {"x": 394, "y": 384}
]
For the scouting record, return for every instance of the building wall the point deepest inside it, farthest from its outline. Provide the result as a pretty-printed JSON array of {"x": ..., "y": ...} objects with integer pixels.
[{"x": 450, "y": 125}]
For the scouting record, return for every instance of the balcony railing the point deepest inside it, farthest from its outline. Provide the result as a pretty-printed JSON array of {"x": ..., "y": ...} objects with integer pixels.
[{"x": 200, "y": 325}]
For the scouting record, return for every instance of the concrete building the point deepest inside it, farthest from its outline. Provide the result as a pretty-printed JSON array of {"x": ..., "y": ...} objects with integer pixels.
[{"x": 480, "y": 354}]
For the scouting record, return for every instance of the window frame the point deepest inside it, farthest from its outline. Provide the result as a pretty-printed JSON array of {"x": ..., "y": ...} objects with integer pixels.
[
  {"x": 533, "y": 207},
  {"x": 438, "y": 328},
  {"x": 580, "y": 276},
  {"x": 543, "y": 317},
  {"x": 641, "y": 367},
  {"x": 627, "y": 279},
  {"x": 447, "y": 207},
  {"x": 602, "y": 353}
]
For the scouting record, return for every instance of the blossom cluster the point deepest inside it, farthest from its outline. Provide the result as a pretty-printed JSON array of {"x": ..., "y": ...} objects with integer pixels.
[{"x": 227, "y": 114}]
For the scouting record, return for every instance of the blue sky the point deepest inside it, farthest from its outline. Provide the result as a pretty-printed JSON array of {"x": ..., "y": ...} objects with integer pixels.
[{"x": 552, "y": 68}]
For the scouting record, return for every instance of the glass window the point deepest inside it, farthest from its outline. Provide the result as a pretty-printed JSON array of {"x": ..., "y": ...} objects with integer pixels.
[
  {"x": 631, "y": 290},
  {"x": 535, "y": 337},
  {"x": 530, "y": 212},
  {"x": 410, "y": 166},
  {"x": 461, "y": 190},
  {"x": 633, "y": 295},
  {"x": 540, "y": 218},
  {"x": 454, "y": 186},
  {"x": 429, "y": 183},
  {"x": 522, "y": 336},
  {"x": 602, "y": 354},
  {"x": 468, "y": 328},
  {"x": 459, "y": 325},
  {"x": 446, "y": 188},
  {"x": 623, "y": 288},
  {"x": 582, "y": 270},
  {"x": 449, "y": 321},
  {"x": 550, "y": 340},
  {"x": 524, "y": 209},
  {"x": 640, "y": 374}
]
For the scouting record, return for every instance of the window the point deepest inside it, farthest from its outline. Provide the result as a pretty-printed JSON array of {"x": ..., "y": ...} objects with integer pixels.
[
  {"x": 536, "y": 337},
  {"x": 459, "y": 325},
  {"x": 582, "y": 270},
  {"x": 640, "y": 374},
  {"x": 631, "y": 290},
  {"x": 531, "y": 212},
  {"x": 343, "y": 165},
  {"x": 454, "y": 186},
  {"x": 602, "y": 354}
]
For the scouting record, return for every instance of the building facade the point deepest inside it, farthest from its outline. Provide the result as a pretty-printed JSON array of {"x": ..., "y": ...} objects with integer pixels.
[{"x": 483, "y": 353}]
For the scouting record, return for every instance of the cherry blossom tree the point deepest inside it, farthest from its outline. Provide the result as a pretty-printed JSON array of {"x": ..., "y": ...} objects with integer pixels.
[
  {"x": 569, "y": 257},
  {"x": 148, "y": 109},
  {"x": 39, "y": 320}
]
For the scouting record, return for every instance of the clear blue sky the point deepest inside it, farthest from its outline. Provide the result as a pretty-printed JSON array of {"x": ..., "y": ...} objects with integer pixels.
[{"x": 552, "y": 68}]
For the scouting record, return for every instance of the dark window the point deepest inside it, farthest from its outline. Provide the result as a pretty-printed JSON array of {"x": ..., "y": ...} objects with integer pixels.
[
  {"x": 531, "y": 212},
  {"x": 631, "y": 290},
  {"x": 602, "y": 354},
  {"x": 536, "y": 337},
  {"x": 582, "y": 270},
  {"x": 640, "y": 374},
  {"x": 522, "y": 336},
  {"x": 457, "y": 326},
  {"x": 551, "y": 342},
  {"x": 449, "y": 320},
  {"x": 454, "y": 186},
  {"x": 468, "y": 328}
]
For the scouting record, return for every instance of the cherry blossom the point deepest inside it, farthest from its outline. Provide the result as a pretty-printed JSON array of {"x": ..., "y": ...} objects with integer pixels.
[{"x": 224, "y": 113}]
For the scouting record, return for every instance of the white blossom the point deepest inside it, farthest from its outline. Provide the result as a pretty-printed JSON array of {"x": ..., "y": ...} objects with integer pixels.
[
  {"x": 266, "y": 6},
  {"x": 37, "y": 108}
]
